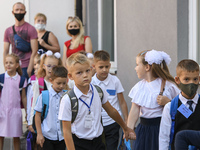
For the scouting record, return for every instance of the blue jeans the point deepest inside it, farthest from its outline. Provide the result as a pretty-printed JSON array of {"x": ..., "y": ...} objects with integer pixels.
[{"x": 185, "y": 138}]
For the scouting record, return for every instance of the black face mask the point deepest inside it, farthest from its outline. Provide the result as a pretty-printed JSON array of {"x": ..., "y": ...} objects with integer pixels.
[
  {"x": 19, "y": 17},
  {"x": 74, "y": 31}
]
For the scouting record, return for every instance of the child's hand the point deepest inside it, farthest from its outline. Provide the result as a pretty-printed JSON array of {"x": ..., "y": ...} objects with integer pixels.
[
  {"x": 162, "y": 100},
  {"x": 40, "y": 139},
  {"x": 30, "y": 128},
  {"x": 129, "y": 134}
]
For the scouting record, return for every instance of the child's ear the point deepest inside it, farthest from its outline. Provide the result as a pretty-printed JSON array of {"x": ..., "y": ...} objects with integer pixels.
[
  {"x": 177, "y": 80},
  {"x": 43, "y": 66},
  {"x": 147, "y": 67},
  {"x": 51, "y": 80},
  {"x": 70, "y": 76}
]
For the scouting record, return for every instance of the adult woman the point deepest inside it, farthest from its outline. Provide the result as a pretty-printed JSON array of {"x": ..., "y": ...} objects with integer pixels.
[
  {"x": 46, "y": 39},
  {"x": 79, "y": 42}
]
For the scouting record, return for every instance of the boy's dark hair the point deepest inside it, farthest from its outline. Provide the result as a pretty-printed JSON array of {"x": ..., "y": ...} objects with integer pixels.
[
  {"x": 59, "y": 71},
  {"x": 101, "y": 55},
  {"x": 187, "y": 65}
]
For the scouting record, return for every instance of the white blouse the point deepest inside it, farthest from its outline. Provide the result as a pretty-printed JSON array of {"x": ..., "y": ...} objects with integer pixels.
[{"x": 145, "y": 93}]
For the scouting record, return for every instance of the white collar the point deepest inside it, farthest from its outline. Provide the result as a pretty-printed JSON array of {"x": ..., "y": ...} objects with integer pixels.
[
  {"x": 14, "y": 77},
  {"x": 106, "y": 81},
  {"x": 78, "y": 93},
  {"x": 184, "y": 100},
  {"x": 53, "y": 92}
]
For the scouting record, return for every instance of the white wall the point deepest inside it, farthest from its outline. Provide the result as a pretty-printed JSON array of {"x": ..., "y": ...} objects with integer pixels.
[{"x": 57, "y": 13}]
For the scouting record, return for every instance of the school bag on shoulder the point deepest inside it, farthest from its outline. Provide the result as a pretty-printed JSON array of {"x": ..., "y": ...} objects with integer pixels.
[
  {"x": 173, "y": 111},
  {"x": 42, "y": 85},
  {"x": 45, "y": 107},
  {"x": 21, "y": 83},
  {"x": 74, "y": 102}
]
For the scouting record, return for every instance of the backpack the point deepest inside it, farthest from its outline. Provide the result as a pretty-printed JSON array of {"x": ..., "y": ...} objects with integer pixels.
[
  {"x": 21, "y": 83},
  {"x": 173, "y": 111},
  {"x": 42, "y": 85},
  {"x": 74, "y": 103},
  {"x": 45, "y": 107}
]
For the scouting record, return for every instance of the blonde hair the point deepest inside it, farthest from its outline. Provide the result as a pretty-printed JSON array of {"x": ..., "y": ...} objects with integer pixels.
[
  {"x": 40, "y": 15},
  {"x": 158, "y": 70},
  {"x": 101, "y": 56},
  {"x": 19, "y": 69},
  {"x": 77, "y": 58},
  {"x": 41, "y": 71},
  {"x": 80, "y": 36},
  {"x": 187, "y": 65}
]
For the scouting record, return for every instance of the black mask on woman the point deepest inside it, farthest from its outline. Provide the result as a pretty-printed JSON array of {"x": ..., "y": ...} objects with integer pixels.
[
  {"x": 19, "y": 17},
  {"x": 74, "y": 31}
]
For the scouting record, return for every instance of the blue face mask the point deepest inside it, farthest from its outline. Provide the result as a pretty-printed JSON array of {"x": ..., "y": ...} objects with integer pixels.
[{"x": 189, "y": 89}]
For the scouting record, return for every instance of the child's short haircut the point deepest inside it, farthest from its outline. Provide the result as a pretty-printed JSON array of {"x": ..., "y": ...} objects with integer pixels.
[
  {"x": 77, "y": 58},
  {"x": 59, "y": 71},
  {"x": 101, "y": 56},
  {"x": 187, "y": 65}
]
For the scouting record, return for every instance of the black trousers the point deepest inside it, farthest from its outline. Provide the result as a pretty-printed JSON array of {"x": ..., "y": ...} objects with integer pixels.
[
  {"x": 112, "y": 136},
  {"x": 53, "y": 145},
  {"x": 83, "y": 144}
]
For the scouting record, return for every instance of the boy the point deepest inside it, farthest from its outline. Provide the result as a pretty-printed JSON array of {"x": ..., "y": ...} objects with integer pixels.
[
  {"x": 49, "y": 135},
  {"x": 188, "y": 109},
  {"x": 86, "y": 130},
  {"x": 115, "y": 91}
]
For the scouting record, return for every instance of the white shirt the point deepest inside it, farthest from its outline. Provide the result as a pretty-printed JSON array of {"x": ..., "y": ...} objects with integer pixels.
[
  {"x": 36, "y": 93},
  {"x": 51, "y": 125},
  {"x": 165, "y": 125},
  {"x": 145, "y": 95},
  {"x": 113, "y": 86},
  {"x": 29, "y": 98},
  {"x": 77, "y": 128}
]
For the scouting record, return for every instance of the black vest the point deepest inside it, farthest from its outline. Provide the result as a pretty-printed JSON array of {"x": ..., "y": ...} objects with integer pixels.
[{"x": 182, "y": 123}]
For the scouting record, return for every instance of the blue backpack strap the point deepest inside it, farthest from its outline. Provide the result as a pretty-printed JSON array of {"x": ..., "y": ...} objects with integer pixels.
[
  {"x": 173, "y": 111},
  {"x": 1, "y": 81},
  {"x": 45, "y": 104}
]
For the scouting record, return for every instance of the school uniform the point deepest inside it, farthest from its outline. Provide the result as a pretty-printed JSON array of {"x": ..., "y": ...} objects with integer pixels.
[
  {"x": 36, "y": 93},
  {"x": 10, "y": 108},
  {"x": 29, "y": 98},
  {"x": 113, "y": 86},
  {"x": 51, "y": 125},
  {"x": 85, "y": 137},
  {"x": 145, "y": 95},
  {"x": 181, "y": 122}
]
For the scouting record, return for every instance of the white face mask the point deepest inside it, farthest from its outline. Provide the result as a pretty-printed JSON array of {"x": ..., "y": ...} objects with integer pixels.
[{"x": 40, "y": 26}]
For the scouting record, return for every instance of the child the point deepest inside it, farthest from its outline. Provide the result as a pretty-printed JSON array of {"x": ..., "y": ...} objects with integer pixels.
[
  {"x": 185, "y": 138},
  {"x": 86, "y": 130},
  {"x": 48, "y": 61},
  {"x": 115, "y": 91},
  {"x": 10, "y": 106},
  {"x": 151, "y": 67},
  {"x": 31, "y": 82},
  {"x": 188, "y": 108},
  {"x": 49, "y": 135}
]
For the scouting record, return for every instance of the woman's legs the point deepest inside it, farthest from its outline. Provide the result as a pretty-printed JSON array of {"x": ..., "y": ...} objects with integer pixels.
[
  {"x": 16, "y": 143},
  {"x": 185, "y": 138},
  {"x": 1, "y": 143}
]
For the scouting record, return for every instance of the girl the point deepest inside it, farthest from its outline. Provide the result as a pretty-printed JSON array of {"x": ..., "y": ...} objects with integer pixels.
[
  {"x": 48, "y": 61},
  {"x": 151, "y": 67},
  {"x": 79, "y": 42},
  {"x": 10, "y": 106}
]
